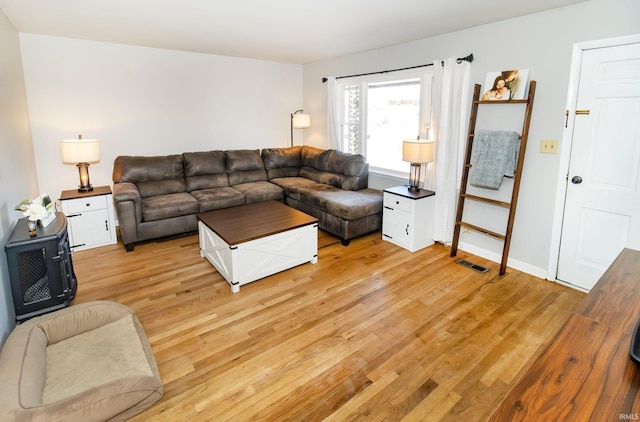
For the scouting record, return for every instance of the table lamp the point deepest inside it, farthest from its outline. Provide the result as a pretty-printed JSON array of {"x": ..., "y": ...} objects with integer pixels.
[
  {"x": 416, "y": 152},
  {"x": 81, "y": 152}
]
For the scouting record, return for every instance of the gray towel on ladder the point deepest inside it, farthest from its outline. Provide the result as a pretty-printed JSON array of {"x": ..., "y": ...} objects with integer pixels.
[{"x": 493, "y": 156}]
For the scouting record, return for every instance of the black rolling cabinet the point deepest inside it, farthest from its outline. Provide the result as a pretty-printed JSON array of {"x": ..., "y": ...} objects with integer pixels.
[{"x": 40, "y": 268}]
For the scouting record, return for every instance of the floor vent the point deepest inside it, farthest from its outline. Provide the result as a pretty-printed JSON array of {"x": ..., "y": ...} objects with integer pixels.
[{"x": 473, "y": 266}]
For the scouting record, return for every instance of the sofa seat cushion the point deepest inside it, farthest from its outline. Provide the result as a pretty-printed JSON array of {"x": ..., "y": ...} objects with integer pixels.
[
  {"x": 349, "y": 205},
  {"x": 292, "y": 185},
  {"x": 217, "y": 198},
  {"x": 260, "y": 191},
  {"x": 324, "y": 177},
  {"x": 160, "y": 207}
]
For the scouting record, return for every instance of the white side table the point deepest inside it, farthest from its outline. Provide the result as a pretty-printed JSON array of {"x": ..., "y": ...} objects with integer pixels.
[
  {"x": 407, "y": 217},
  {"x": 90, "y": 216}
]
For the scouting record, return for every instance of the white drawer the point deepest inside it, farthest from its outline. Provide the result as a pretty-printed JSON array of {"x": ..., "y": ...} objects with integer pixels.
[
  {"x": 90, "y": 203},
  {"x": 397, "y": 202}
]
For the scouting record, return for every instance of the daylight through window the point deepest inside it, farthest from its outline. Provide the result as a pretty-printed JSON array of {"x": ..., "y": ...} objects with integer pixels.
[{"x": 379, "y": 112}]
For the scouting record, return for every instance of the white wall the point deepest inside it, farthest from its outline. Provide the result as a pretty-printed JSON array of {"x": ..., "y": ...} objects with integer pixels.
[
  {"x": 540, "y": 42},
  {"x": 17, "y": 165},
  {"x": 146, "y": 101}
]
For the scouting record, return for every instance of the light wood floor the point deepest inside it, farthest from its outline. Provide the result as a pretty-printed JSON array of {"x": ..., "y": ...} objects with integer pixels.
[{"x": 371, "y": 332}]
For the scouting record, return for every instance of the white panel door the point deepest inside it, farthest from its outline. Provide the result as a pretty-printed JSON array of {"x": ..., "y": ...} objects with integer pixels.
[{"x": 602, "y": 204}]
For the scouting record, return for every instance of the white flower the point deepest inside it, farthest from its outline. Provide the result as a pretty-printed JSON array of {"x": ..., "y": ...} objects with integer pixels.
[{"x": 35, "y": 211}]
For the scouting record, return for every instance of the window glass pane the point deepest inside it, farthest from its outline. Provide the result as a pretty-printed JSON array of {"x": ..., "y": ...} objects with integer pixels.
[{"x": 393, "y": 114}]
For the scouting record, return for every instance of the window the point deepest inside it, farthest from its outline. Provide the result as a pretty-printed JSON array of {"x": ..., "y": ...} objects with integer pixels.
[{"x": 379, "y": 111}]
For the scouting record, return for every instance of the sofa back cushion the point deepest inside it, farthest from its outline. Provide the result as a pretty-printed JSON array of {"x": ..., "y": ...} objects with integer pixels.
[
  {"x": 158, "y": 175},
  {"x": 282, "y": 162},
  {"x": 347, "y": 164},
  {"x": 335, "y": 168},
  {"x": 244, "y": 166},
  {"x": 315, "y": 157},
  {"x": 205, "y": 170}
]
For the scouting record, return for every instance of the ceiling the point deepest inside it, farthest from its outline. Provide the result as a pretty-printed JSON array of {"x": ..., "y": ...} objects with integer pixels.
[{"x": 301, "y": 31}]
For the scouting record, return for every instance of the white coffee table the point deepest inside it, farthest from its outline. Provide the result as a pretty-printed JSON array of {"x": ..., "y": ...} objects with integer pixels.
[{"x": 253, "y": 241}]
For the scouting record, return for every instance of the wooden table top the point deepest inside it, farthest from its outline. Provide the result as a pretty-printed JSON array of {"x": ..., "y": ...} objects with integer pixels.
[
  {"x": 73, "y": 193},
  {"x": 586, "y": 374},
  {"x": 244, "y": 223}
]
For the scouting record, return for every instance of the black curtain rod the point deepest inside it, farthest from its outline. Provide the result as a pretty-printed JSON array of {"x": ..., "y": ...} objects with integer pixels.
[{"x": 468, "y": 58}]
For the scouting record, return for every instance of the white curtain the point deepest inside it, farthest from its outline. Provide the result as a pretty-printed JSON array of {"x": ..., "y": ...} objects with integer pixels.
[
  {"x": 334, "y": 131},
  {"x": 451, "y": 101},
  {"x": 427, "y": 170}
]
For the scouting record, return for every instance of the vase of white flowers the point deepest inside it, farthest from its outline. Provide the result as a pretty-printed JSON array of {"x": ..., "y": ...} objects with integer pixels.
[{"x": 38, "y": 209}]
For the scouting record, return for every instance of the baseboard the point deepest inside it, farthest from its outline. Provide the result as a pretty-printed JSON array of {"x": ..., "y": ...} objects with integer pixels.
[
  {"x": 516, "y": 264},
  {"x": 512, "y": 263}
]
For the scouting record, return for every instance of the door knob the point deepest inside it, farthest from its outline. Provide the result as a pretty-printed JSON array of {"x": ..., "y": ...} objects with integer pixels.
[{"x": 576, "y": 180}]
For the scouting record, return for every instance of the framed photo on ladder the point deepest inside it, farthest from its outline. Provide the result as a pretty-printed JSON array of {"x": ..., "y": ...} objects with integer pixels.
[{"x": 506, "y": 85}]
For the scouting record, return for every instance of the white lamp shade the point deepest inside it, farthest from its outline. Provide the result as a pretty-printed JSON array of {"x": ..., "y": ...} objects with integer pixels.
[
  {"x": 414, "y": 151},
  {"x": 301, "y": 121},
  {"x": 76, "y": 151}
]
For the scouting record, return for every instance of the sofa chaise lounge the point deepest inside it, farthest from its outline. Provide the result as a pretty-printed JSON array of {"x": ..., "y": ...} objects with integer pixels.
[{"x": 160, "y": 196}]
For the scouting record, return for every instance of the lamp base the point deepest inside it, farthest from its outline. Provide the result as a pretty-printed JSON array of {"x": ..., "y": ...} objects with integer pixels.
[
  {"x": 83, "y": 171},
  {"x": 414, "y": 177}
]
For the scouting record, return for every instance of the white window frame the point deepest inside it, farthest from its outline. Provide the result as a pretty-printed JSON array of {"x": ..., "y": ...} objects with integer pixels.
[{"x": 425, "y": 75}]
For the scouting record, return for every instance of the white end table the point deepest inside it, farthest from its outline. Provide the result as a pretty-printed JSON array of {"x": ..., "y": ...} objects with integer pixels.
[
  {"x": 407, "y": 217},
  {"x": 90, "y": 216}
]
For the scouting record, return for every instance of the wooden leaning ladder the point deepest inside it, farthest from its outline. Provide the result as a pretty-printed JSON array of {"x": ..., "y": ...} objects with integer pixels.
[{"x": 506, "y": 237}]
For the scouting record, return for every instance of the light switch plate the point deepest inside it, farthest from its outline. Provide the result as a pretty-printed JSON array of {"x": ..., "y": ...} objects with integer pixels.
[{"x": 549, "y": 146}]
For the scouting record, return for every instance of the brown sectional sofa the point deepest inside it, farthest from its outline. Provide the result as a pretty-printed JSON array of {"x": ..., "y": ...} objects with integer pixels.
[{"x": 160, "y": 196}]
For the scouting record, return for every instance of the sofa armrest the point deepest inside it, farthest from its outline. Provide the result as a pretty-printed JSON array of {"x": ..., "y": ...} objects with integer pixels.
[
  {"x": 126, "y": 191},
  {"x": 129, "y": 209}
]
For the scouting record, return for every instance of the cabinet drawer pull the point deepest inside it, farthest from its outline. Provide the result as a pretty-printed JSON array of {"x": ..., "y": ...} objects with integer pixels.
[
  {"x": 106, "y": 225},
  {"x": 386, "y": 235},
  {"x": 407, "y": 229},
  {"x": 389, "y": 208}
]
